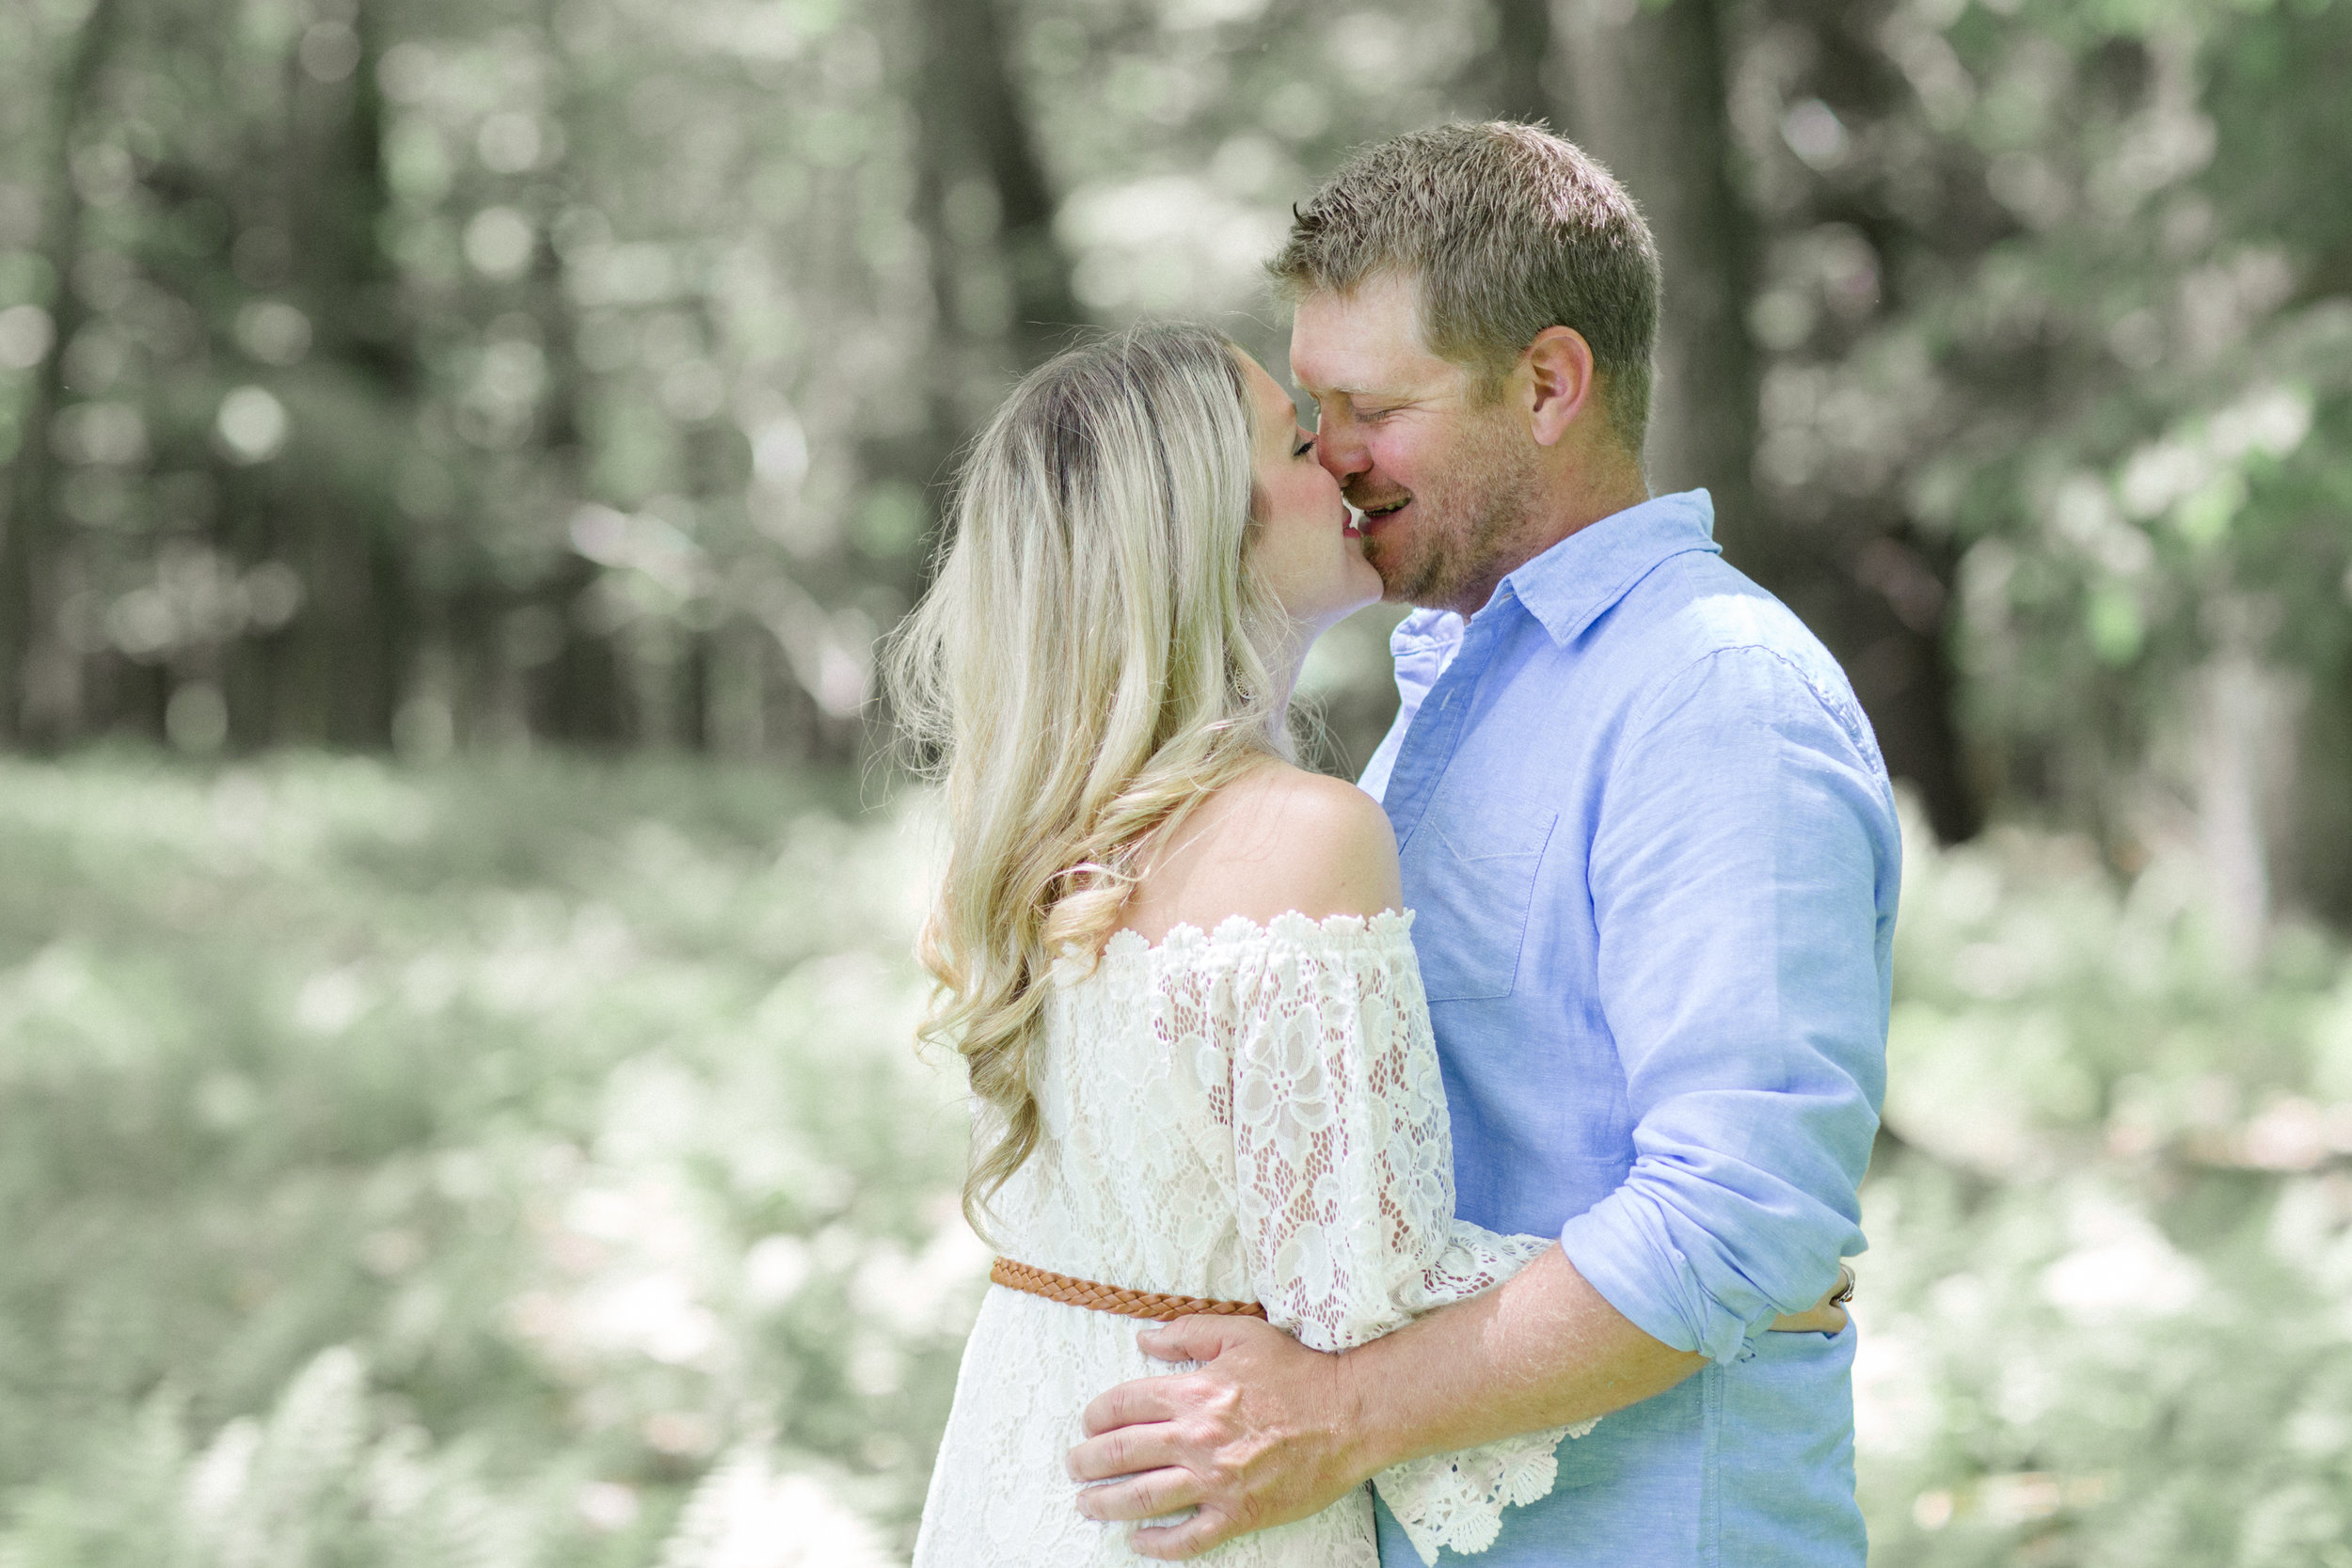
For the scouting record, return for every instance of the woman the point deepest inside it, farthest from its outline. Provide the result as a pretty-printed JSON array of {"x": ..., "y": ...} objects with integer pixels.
[{"x": 1174, "y": 961}]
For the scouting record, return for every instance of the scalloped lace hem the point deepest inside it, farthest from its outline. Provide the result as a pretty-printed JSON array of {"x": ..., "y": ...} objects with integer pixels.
[
  {"x": 1184, "y": 940},
  {"x": 1455, "y": 1500},
  {"x": 1290, "y": 925}
]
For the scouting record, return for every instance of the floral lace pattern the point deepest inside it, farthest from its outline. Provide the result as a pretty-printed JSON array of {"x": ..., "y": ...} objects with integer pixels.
[{"x": 1248, "y": 1114}]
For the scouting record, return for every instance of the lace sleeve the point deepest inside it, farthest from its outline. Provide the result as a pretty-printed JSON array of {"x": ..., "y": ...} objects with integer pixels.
[{"x": 1344, "y": 1167}]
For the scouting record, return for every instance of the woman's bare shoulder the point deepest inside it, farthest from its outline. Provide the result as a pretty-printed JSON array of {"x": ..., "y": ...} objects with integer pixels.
[
  {"x": 1277, "y": 804},
  {"x": 1277, "y": 839}
]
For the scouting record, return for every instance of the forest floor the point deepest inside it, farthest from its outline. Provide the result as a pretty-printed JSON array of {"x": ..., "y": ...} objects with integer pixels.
[{"x": 527, "y": 1161}]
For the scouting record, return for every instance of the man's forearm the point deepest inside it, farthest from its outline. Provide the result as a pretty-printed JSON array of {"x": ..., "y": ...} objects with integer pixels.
[
  {"x": 1266, "y": 1431},
  {"x": 1543, "y": 1349}
]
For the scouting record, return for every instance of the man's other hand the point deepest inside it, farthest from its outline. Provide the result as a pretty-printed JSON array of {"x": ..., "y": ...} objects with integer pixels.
[{"x": 1264, "y": 1433}]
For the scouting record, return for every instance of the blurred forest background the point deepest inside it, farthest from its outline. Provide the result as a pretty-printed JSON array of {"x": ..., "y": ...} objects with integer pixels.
[{"x": 455, "y": 1103}]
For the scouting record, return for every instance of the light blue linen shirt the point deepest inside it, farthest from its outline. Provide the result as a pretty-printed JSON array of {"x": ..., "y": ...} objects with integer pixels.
[{"x": 1653, "y": 855}]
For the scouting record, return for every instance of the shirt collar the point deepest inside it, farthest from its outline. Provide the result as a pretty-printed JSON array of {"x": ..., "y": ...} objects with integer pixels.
[{"x": 1569, "y": 586}]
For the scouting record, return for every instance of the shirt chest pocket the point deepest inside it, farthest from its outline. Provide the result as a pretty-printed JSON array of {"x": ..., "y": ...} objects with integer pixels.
[{"x": 1473, "y": 891}]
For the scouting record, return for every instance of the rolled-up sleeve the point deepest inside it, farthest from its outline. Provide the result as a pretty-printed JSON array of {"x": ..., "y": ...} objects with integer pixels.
[{"x": 1742, "y": 874}]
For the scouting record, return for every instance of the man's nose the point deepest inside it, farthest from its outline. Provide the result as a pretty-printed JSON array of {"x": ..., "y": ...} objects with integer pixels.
[{"x": 1341, "y": 454}]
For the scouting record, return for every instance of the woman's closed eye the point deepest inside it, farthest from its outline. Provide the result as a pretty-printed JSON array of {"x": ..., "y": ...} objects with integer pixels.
[{"x": 1306, "y": 444}]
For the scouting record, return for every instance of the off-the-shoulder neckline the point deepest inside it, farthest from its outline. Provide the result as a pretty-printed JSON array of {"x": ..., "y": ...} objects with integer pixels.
[{"x": 1290, "y": 925}]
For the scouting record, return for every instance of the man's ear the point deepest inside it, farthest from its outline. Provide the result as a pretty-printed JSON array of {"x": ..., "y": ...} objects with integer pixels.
[{"x": 1559, "y": 382}]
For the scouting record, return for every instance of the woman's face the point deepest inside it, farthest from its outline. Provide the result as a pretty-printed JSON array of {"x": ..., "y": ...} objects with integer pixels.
[{"x": 1305, "y": 545}]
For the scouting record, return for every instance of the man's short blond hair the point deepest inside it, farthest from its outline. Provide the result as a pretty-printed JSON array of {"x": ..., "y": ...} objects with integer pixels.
[{"x": 1507, "y": 229}]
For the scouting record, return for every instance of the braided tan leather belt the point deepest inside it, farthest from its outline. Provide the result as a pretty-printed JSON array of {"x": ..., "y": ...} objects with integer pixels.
[
  {"x": 1112, "y": 1298},
  {"x": 1166, "y": 1309}
]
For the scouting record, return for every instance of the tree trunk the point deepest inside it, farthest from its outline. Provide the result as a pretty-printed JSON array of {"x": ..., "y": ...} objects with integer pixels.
[
  {"x": 2234, "y": 703},
  {"x": 1647, "y": 95},
  {"x": 1515, "y": 78},
  {"x": 999, "y": 279},
  {"x": 2318, "y": 844},
  {"x": 338, "y": 200},
  {"x": 975, "y": 129},
  {"x": 30, "y": 542},
  {"x": 1645, "y": 90},
  {"x": 1881, "y": 596}
]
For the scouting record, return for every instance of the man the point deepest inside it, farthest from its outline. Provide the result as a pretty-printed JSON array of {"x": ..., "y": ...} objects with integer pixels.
[{"x": 1654, "y": 854}]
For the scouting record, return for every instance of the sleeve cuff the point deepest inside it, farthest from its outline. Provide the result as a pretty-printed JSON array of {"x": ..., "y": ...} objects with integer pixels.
[{"x": 1622, "y": 1253}]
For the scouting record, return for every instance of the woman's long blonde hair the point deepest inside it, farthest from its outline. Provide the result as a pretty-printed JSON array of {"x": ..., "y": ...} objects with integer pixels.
[{"x": 1088, "y": 664}]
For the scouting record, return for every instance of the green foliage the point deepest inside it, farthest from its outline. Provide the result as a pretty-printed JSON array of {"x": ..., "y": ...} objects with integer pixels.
[
  {"x": 463, "y": 1165},
  {"x": 2053, "y": 281},
  {"x": 2103, "y": 1311}
]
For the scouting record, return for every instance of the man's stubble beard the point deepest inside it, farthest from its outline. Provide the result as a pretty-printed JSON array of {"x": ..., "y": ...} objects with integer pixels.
[{"x": 1467, "y": 523}]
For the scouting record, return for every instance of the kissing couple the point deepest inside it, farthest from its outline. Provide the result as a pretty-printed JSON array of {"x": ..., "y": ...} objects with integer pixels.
[{"x": 1487, "y": 1132}]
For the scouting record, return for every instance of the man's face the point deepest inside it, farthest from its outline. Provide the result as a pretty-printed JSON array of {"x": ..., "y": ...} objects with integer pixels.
[{"x": 1444, "y": 481}]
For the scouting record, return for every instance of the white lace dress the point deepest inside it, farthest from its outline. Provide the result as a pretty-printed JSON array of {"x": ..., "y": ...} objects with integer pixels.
[{"x": 1249, "y": 1115}]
